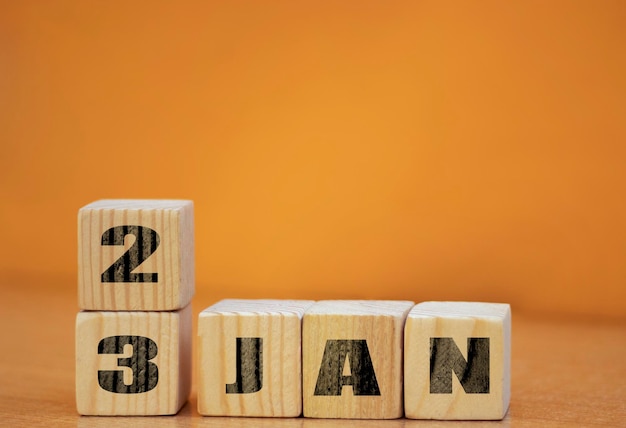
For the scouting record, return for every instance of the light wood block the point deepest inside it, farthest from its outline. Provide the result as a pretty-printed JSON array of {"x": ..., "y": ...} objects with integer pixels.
[
  {"x": 352, "y": 359},
  {"x": 457, "y": 361},
  {"x": 133, "y": 363},
  {"x": 249, "y": 360},
  {"x": 136, "y": 255}
]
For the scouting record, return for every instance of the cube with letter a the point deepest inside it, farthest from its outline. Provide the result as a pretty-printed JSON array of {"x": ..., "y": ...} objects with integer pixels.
[
  {"x": 457, "y": 361},
  {"x": 352, "y": 359},
  {"x": 135, "y": 255}
]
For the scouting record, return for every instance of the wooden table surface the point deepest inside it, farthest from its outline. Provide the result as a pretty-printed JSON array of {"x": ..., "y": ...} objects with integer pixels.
[{"x": 565, "y": 371}]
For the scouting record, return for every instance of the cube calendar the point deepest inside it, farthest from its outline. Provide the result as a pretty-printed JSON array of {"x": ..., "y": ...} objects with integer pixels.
[{"x": 342, "y": 359}]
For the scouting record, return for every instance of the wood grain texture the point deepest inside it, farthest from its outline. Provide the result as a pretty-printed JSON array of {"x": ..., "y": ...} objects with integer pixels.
[
  {"x": 440, "y": 321},
  {"x": 171, "y": 334},
  {"x": 276, "y": 328},
  {"x": 172, "y": 260},
  {"x": 380, "y": 324}
]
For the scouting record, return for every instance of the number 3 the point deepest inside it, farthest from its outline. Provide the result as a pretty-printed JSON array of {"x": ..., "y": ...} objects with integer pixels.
[
  {"x": 145, "y": 373},
  {"x": 146, "y": 243}
]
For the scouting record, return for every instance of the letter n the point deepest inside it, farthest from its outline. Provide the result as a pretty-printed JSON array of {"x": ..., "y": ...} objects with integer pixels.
[{"x": 445, "y": 358}]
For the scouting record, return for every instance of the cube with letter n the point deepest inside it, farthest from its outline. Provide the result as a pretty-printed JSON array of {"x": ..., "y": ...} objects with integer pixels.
[{"x": 457, "y": 361}]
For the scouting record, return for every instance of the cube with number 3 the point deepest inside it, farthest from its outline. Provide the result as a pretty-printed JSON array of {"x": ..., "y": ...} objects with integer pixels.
[{"x": 133, "y": 363}]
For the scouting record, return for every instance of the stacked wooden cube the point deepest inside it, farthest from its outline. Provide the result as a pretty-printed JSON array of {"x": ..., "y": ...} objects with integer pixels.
[
  {"x": 357, "y": 359},
  {"x": 135, "y": 284}
]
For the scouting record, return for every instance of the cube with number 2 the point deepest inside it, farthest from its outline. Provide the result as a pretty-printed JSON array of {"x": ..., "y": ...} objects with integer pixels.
[{"x": 136, "y": 255}]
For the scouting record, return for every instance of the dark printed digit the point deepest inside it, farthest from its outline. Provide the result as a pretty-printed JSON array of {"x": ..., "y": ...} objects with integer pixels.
[
  {"x": 146, "y": 243},
  {"x": 145, "y": 373}
]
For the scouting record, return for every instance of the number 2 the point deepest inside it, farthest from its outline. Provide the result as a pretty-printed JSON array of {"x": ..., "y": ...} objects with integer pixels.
[
  {"x": 145, "y": 373},
  {"x": 146, "y": 243}
]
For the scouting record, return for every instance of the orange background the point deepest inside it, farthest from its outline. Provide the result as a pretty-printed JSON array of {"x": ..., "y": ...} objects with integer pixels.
[{"x": 345, "y": 149}]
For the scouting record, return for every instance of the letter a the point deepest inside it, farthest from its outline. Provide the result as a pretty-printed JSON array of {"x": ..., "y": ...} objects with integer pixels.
[{"x": 331, "y": 380}]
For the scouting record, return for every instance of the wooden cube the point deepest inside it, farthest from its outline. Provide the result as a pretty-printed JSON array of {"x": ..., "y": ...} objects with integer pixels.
[
  {"x": 352, "y": 359},
  {"x": 457, "y": 361},
  {"x": 133, "y": 363},
  {"x": 136, "y": 255},
  {"x": 250, "y": 358}
]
